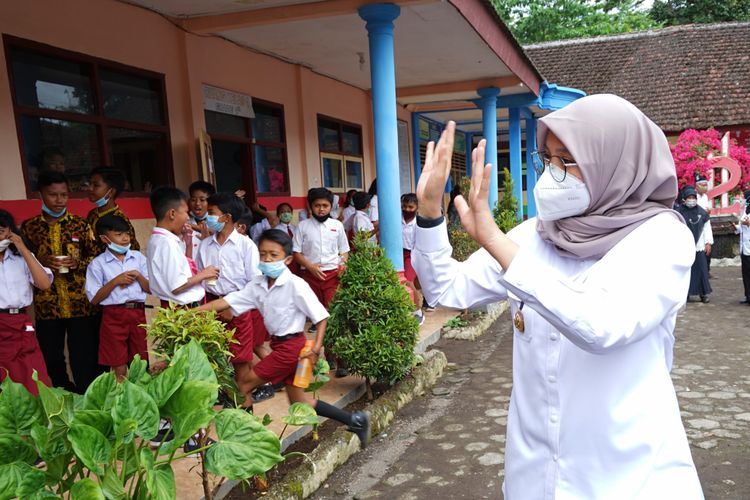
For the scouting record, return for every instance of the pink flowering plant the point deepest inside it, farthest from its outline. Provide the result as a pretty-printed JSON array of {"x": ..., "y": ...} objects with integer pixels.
[{"x": 692, "y": 153}]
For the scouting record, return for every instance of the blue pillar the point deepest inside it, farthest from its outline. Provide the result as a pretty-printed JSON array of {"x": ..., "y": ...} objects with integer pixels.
[
  {"x": 530, "y": 172},
  {"x": 514, "y": 140},
  {"x": 415, "y": 143},
  {"x": 469, "y": 148},
  {"x": 379, "y": 18},
  {"x": 488, "y": 103}
]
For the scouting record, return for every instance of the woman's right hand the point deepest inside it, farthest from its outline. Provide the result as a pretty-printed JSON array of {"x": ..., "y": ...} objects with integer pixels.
[{"x": 435, "y": 172}]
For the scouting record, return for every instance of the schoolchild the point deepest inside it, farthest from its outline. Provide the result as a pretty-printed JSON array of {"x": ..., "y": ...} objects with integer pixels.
[
  {"x": 286, "y": 302},
  {"x": 244, "y": 223},
  {"x": 64, "y": 243},
  {"x": 284, "y": 214},
  {"x": 117, "y": 280},
  {"x": 199, "y": 192},
  {"x": 236, "y": 257},
  {"x": 170, "y": 276},
  {"x": 409, "y": 205},
  {"x": 262, "y": 220},
  {"x": 105, "y": 185},
  {"x": 20, "y": 272},
  {"x": 349, "y": 209},
  {"x": 320, "y": 246},
  {"x": 361, "y": 221}
]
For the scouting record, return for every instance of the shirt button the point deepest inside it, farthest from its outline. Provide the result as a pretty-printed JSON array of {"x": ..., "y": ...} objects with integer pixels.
[
  {"x": 553, "y": 419},
  {"x": 552, "y": 379},
  {"x": 555, "y": 457},
  {"x": 553, "y": 336}
]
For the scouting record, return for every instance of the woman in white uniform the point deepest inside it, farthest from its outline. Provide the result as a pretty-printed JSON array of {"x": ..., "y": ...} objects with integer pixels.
[{"x": 595, "y": 283}]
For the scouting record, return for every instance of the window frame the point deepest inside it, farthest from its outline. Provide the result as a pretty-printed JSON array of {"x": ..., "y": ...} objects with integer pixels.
[
  {"x": 97, "y": 118},
  {"x": 340, "y": 154}
]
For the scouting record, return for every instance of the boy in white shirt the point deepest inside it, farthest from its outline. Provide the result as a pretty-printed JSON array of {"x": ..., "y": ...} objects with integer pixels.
[
  {"x": 117, "y": 279},
  {"x": 286, "y": 301},
  {"x": 409, "y": 205},
  {"x": 170, "y": 276},
  {"x": 198, "y": 203},
  {"x": 236, "y": 257},
  {"x": 320, "y": 246},
  {"x": 361, "y": 220}
]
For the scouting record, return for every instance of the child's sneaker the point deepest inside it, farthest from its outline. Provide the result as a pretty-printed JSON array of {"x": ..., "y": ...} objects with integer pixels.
[
  {"x": 419, "y": 315},
  {"x": 192, "y": 444},
  {"x": 360, "y": 425},
  {"x": 427, "y": 307},
  {"x": 265, "y": 391},
  {"x": 164, "y": 434}
]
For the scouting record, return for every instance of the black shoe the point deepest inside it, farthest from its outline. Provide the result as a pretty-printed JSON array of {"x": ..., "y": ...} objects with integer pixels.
[
  {"x": 360, "y": 425},
  {"x": 39, "y": 462},
  {"x": 192, "y": 444},
  {"x": 705, "y": 299},
  {"x": 745, "y": 301},
  {"x": 164, "y": 435},
  {"x": 692, "y": 298},
  {"x": 224, "y": 400},
  {"x": 279, "y": 387},
  {"x": 312, "y": 329},
  {"x": 262, "y": 393}
]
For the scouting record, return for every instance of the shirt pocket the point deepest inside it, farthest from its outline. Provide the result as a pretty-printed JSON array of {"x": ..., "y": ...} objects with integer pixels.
[{"x": 330, "y": 242}]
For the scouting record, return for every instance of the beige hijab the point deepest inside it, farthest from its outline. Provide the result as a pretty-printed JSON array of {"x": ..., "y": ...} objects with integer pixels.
[{"x": 626, "y": 165}]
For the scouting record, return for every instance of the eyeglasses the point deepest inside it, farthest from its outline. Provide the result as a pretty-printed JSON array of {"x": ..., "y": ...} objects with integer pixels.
[{"x": 543, "y": 160}]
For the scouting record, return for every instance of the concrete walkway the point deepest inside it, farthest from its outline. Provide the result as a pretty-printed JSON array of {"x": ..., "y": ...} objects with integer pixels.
[{"x": 451, "y": 443}]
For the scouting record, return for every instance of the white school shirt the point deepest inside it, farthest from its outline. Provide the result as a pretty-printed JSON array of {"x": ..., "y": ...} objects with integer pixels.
[
  {"x": 361, "y": 222},
  {"x": 257, "y": 229},
  {"x": 285, "y": 306},
  {"x": 287, "y": 228},
  {"x": 196, "y": 239},
  {"x": 106, "y": 267},
  {"x": 744, "y": 232},
  {"x": 703, "y": 201},
  {"x": 16, "y": 282},
  {"x": 168, "y": 268},
  {"x": 321, "y": 243},
  {"x": 408, "y": 232},
  {"x": 347, "y": 215},
  {"x": 237, "y": 260},
  {"x": 593, "y": 412},
  {"x": 374, "y": 215}
]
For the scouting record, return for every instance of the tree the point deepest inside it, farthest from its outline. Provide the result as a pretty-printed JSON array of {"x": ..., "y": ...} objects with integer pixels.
[
  {"x": 674, "y": 12},
  {"x": 533, "y": 21}
]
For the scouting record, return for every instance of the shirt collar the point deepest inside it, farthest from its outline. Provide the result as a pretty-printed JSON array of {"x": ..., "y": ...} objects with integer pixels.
[
  {"x": 283, "y": 278},
  {"x": 109, "y": 256},
  {"x": 166, "y": 233}
]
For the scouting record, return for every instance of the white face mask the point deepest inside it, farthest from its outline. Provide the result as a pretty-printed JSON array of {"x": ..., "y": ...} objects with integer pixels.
[
  {"x": 691, "y": 203},
  {"x": 4, "y": 245},
  {"x": 557, "y": 200}
]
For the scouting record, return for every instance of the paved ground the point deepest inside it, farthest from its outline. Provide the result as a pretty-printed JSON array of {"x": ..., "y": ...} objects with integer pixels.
[{"x": 450, "y": 443}]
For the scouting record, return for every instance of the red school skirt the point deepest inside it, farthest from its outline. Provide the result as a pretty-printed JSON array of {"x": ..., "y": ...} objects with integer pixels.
[{"x": 20, "y": 354}]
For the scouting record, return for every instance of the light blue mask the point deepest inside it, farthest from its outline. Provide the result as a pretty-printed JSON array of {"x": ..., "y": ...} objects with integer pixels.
[
  {"x": 199, "y": 219},
  {"x": 49, "y": 212},
  {"x": 122, "y": 250},
  {"x": 272, "y": 269},
  {"x": 212, "y": 221},
  {"x": 101, "y": 201}
]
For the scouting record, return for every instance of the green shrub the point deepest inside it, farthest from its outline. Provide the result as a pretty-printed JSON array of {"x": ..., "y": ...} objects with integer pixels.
[{"x": 372, "y": 328}]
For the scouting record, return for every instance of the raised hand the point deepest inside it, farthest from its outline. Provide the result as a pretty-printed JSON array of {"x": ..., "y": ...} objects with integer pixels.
[{"x": 435, "y": 172}]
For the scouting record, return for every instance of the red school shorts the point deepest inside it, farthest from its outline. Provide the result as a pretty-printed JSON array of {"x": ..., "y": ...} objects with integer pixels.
[
  {"x": 409, "y": 273},
  {"x": 281, "y": 364},
  {"x": 20, "y": 354},
  {"x": 120, "y": 335},
  {"x": 323, "y": 289},
  {"x": 260, "y": 334},
  {"x": 244, "y": 333}
]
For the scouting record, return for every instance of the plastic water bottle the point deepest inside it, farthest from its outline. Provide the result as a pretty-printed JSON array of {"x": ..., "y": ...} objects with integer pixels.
[{"x": 304, "y": 367}]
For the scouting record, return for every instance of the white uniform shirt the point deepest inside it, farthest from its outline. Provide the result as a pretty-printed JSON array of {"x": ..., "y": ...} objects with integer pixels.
[
  {"x": 168, "y": 268},
  {"x": 196, "y": 241},
  {"x": 287, "y": 228},
  {"x": 237, "y": 260},
  {"x": 361, "y": 222},
  {"x": 408, "y": 232},
  {"x": 106, "y": 267},
  {"x": 593, "y": 412},
  {"x": 744, "y": 232},
  {"x": 16, "y": 282},
  {"x": 374, "y": 215},
  {"x": 321, "y": 243},
  {"x": 285, "y": 306},
  {"x": 703, "y": 201},
  {"x": 257, "y": 229}
]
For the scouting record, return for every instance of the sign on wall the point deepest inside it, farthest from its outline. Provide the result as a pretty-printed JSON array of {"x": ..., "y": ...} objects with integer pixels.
[{"x": 228, "y": 102}]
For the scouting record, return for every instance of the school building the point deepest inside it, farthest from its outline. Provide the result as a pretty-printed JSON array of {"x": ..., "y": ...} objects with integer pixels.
[{"x": 273, "y": 97}]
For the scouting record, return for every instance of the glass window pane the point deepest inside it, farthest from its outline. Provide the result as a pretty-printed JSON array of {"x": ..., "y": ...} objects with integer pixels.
[
  {"x": 353, "y": 174},
  {"x": 222, "y": 123},
  {"x": 231, "y": 160},
  {"x": 50, "y": 83},
  {"x": 65, "y": 146},
  {"x": 142, "y": 156},
  {"x": 131, "y": 97},
  {"x": 270, "y": 170},
  {"x": 332, "y": 177},
  {"x": 351, "y": 141},
  {"x": 328, "y": 136},
  {"x": 267, "y": 124}
]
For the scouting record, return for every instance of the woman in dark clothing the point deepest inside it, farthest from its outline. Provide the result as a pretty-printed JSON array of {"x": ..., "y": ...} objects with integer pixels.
[{"x": 698, "y": 222}]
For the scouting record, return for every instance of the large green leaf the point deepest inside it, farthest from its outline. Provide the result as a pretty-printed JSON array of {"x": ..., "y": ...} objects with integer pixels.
[
  {"x": 138, "y": 371},
  {"x": 197, "y": 367},
  {"x": 185, "y": 426},
  {"x": 86, "y": 489},
  {"x": 134, "y": 403},
  {"x": 166, "y": 383},
  {"x": 159, "y": 479},
  {"x": 19, "y": 479},
  {"x": 57, "y": 403},
  {"x": 112, "y": 485},
  {"x": 301, "y": 414},
  {"x": 32, "y": 481},
  {"x": 19, "y": 409},
  {"x": 192, "y": 395},
  {"x": 98, "y": 419},
  {"x": 245, "y": 447},
  {"x": 90, "y": 446},
  {"x": 102, "y": 392},
  {"x": 14, "y": 449}
]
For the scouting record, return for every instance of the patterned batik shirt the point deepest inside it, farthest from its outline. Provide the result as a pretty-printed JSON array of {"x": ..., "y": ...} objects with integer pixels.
[
  {"x": 72, "y": 236},
  {"x": 94, "y": 216}
]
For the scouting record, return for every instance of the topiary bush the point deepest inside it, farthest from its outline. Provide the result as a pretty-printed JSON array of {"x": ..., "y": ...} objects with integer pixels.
[{"x": 372, "y": 328}]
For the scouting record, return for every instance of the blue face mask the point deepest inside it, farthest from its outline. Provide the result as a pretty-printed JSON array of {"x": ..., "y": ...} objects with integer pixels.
[
  {"x": 122, "y": 250},
  {"x": 199, "y": 219},
  {"x": 49, "y": 212},
  {"x": 101, "y": 201},
  {"x": 272, "y": 269},
  {"x": 212, "y": 221}
]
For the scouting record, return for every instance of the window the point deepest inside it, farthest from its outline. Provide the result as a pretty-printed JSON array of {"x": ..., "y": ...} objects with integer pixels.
[
  {"x": 250, "y": 153},
  {"x": 75, "y": 112},
  {"x": 340, "y": 154}
]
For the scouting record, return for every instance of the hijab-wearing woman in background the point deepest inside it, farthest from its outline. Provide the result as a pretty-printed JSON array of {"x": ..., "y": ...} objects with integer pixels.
[
  {"x": 697, "y": 220},
  {"x": 595, "y": 283},
  {"x": 743, "y": 229}
]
